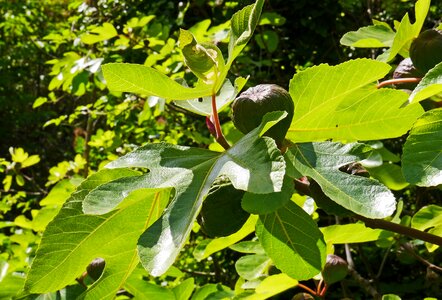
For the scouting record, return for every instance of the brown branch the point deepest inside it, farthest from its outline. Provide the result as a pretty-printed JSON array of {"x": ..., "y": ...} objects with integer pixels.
[
  {"x": 364, "y": 283},
  {"x": 399, "y": 81},
  {"x": 409, "y": 249},
  {"x": 408, "y": 231}
]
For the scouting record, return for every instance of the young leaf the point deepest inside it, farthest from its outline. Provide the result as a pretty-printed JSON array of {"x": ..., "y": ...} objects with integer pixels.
[
  {"x": 139, "y": 79},
  {"x": 373, "y": 36},
  {"x": 253, "y": 163},
  {"x": 429, "y": 86},
  {"x": 293, "y": 241},
  {"x": 339, "y": 103},
  {"x": 422, "y": 157},
  {"x": 204, "y": 60},
  {"x": 321, "y": 161},
  {"x": 74, "y": 239},
  {"x": 406, "y": 31},
  {"x": 243, "y": 24}
]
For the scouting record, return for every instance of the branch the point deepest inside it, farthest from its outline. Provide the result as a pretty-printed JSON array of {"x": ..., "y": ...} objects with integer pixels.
[
  {"x": 408, "y": 231},
  {"x": 303, "y": 186}
]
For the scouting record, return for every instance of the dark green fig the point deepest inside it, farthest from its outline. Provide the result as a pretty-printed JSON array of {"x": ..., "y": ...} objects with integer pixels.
[
  {"x": 426, "y": 50},
  {"x": 249, "y": 108},
  {"x": 221, "y": 213},
  {"x": 335, "y": 269},
  {"x": 95, "y": 268},
  {"x": 406, "y": 69}
]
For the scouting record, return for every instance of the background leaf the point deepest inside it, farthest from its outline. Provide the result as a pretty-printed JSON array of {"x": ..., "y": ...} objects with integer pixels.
[
  {"x": 422, "y": 156},
  {"x": 339, "y": 103},
  {"x": 364, "y": 196},
  {"x": 374, "y": 36},
  {"x": 290, "y": 235}
]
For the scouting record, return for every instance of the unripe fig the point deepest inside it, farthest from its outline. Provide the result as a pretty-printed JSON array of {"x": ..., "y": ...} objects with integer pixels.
[
  {"x": 406, "y": 69},
  {"x": 335, "y": 269},
  {"x": 221, "y": 213},
  {"x": 302, "y": 296},
  {"x": 251, "y": 106},
  {"x": 95, "y": 268},
  {"x": 426, "y": 50}
]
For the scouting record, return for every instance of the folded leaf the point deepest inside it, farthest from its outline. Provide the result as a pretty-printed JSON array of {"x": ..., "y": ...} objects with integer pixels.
[
  {"x": 339, "y": 103},
  {"x": 322, "y": 162}
]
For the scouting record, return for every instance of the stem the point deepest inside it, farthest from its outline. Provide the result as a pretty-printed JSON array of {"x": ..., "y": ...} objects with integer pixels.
[
  {"x": 219, "y": 133},
  {"x": 307, "y": 289},
  {"x": 399, "y": 81},
  {"x": 408, "y": 231},
  {"x": 87, "y": 148}
]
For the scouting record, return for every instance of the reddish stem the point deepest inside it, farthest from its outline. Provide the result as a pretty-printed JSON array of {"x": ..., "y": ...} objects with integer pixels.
[
  {"x": 399, "y": 81},
  {"x": 318, "y": 289},
  {"x": 307, "y": 289},
  {"x": 324, "y": 290},
  {"x": 219, "y": 133}
]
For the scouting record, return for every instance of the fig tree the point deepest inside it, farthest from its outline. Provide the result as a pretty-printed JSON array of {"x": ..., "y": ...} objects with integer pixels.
[
  {"x": 335, "y": 269},
  {"x": 426, "y": 50},
  {"x": 249, "y": 108}
]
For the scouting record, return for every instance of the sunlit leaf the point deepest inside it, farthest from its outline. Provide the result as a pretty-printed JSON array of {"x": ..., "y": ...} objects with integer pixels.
[
  {"x": 322, "y": 161},
  {"x": 340, "y": 103},
  {"x": 430, "y": 85},
  {"x": 145, "y": 80},
  {"x": 422, "y": 155},
  {"x": 290, "y": 235},
  {"x": 74, "y": 239}
]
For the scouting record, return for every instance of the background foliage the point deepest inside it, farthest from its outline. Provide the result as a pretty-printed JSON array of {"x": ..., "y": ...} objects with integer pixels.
[{"x": 59, "y": 123}]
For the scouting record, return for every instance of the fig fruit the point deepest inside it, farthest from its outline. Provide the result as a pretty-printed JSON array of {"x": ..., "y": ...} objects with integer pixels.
[
  {"x": 95, "y": 268},
  {"x": 221, "y": 213},
  {"x": 406, "y": 69},
  {"x": 249, "y": 108},
  {"x": 426, "y": 50},
  {"x": 335, "y": 269}
]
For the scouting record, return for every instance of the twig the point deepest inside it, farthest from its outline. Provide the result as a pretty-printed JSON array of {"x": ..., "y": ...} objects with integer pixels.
[
  {"x": 409, "y": 249},
  {"x": 384, "y": 259},
  {"x": 399, "y": 81},
  {"x": 364, "y": 283}
]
